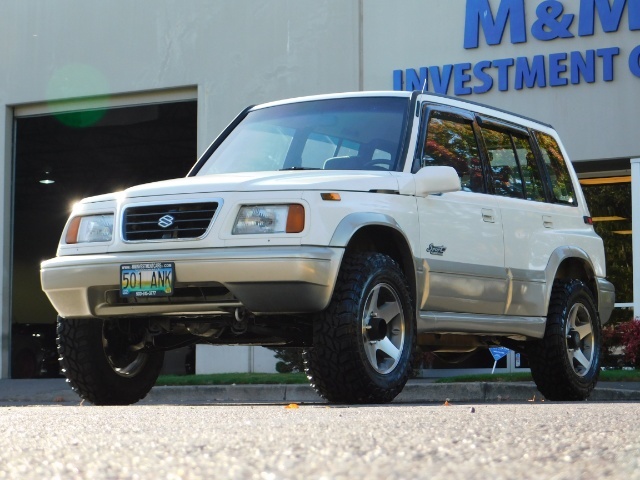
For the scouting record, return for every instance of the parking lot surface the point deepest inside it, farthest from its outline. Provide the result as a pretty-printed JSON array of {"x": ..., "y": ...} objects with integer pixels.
[{"x": 501, "y": 441}]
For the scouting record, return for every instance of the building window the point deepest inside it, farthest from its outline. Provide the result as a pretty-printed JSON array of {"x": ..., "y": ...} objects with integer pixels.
[{"x": 609, "y": 201}]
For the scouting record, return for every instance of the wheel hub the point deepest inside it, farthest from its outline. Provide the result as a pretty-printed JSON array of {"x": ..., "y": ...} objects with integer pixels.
[
  {"x": 573, "y": 340},
  {"x": 122, "y": 351},
  {"x": 376, "y": 328}
]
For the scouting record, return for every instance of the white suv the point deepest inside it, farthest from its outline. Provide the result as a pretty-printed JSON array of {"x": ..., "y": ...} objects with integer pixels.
[{"x": 360, "y": 226}]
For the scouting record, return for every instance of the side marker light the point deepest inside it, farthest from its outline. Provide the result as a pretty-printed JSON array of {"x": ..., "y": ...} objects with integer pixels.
[{"x": 331, "y": 197}]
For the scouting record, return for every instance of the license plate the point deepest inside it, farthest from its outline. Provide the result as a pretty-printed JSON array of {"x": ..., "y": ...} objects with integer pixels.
[{"x": 147, "y": 279}]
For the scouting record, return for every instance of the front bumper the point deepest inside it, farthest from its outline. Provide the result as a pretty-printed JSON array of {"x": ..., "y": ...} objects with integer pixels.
[{"x": 260, "y": 279}]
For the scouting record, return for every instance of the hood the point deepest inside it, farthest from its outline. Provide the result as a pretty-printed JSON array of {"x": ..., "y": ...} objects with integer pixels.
[{"x": 359, "y": 181}]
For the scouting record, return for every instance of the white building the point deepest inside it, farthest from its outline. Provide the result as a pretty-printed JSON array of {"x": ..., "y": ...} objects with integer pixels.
[{"x": 102, "y": 95}]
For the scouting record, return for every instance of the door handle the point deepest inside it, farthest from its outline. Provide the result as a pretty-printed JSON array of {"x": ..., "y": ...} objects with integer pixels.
[
  {"x": 547, "y": 221},
  {"x": 488, "y": 215}
]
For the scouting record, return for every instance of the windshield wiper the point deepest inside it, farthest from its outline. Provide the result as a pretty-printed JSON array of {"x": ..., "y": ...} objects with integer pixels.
[{"x": 299, "y": 168}]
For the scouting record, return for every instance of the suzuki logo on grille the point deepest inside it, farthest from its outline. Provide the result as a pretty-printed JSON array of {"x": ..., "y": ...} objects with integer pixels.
[{"x": 166, "y": 221}]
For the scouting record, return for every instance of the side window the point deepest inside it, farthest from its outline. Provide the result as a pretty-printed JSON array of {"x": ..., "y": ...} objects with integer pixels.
[
  {"x": 331, "y": 153},
  {"x": 381, "y": 155},
  {"x": 513, "y": 164},
  {"x": 317, "y": 149},
  {"x": 530, "y": 171},
  {"x": 380, "y": 160},
  {"x": 347, "y": 148},
  {"x": 507, "y": 180},
  {"x": 561, "y": 185},
  {"x": 450, "y": 141}
]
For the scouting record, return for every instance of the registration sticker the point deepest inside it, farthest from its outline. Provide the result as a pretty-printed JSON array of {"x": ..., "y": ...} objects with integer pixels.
[{"x": 147, "y": 279}]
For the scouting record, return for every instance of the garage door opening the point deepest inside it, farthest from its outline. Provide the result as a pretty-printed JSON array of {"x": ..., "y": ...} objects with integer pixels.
[{"x": 59, "y": 159}]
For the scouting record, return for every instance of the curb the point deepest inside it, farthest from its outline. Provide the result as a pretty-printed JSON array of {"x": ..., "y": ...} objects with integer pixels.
[
  {"x": 478, "y": 392},
  {"x": 232, "y": 394},
  {"x": 37, "y": 392},
  {"x": 42, "y": 392}
]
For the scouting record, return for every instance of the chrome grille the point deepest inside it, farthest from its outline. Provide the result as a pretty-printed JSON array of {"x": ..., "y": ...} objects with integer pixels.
[{"x": 166, "y": 222}]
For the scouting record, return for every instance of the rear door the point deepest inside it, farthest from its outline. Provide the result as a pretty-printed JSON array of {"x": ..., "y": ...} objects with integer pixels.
[{"x": 516, "y": 182}]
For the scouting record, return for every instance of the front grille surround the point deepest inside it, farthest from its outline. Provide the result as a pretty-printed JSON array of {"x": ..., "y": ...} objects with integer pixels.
[{"x": 191, "y": 220}]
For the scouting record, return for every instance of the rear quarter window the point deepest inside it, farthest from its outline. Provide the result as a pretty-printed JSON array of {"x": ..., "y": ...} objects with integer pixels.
[{"x": 560, "y": 180}]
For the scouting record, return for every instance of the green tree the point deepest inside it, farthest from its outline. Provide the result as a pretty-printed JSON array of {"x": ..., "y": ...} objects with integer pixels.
[{"x": 611, "y": 205}]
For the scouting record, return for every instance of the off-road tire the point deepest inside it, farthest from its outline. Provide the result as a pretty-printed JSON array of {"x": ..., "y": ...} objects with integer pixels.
[
  {"x": 92, "y": 375},
  {"x": 347, "y": 363},
  {"x": 565, "y": 364}
]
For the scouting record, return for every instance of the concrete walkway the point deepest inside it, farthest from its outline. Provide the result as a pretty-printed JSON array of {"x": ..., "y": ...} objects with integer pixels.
[{"x": 57, "y": 391}]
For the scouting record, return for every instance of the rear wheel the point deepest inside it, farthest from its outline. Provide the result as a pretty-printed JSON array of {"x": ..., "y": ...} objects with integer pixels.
[
  {"x": 105, "y": 361},
  {"x": 364, "y": 340},
  {"x": 565, "y": 364}
]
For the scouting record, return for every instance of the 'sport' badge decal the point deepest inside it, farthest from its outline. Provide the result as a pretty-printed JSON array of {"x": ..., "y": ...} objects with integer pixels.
[{"x": 436, "y": 249}]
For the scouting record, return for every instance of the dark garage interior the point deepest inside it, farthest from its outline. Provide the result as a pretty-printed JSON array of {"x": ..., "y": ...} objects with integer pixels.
[{"x": 59, "y": 159}]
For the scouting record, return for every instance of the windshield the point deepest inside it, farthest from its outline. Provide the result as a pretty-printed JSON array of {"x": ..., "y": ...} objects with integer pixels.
[{"x": 362, "y": 133}]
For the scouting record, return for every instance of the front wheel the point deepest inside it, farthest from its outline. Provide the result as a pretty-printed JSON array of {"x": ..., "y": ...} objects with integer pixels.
[
  {"x": 363, "y": 342},
  {"x": 565, "y": 364},
  {"x": 105, "y": 362}
]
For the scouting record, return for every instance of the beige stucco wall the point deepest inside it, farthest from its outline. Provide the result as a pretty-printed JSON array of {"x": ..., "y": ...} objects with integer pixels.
[{"x": 235, "y": 52}]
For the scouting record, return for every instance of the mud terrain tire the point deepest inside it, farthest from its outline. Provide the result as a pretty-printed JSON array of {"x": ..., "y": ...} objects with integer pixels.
[
  {"x": 363, "y": 341},
  {"x": 104, "y": 371},
  {"x": 565, "y": 364}
]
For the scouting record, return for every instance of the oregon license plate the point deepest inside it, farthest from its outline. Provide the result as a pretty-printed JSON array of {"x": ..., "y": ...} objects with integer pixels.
[{"x": 147, "y": 279}]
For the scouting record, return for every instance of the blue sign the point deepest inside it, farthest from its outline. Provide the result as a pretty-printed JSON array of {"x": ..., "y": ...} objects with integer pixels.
[
  {"x": 551, "y": 20},
  {"x": 550, "y": 70},
  {"x": 499, "y": 352}
]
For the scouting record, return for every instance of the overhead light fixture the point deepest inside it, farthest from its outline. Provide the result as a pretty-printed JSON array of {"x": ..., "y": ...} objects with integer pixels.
[
  {"x": 605, "y": 180},
  {"x": 47, "y": 180},
  {"x": 612, "y": 218}
]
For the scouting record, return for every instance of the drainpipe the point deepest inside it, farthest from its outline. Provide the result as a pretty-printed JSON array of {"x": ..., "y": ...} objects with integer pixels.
[
  {"x": 635, "y": 236},
  {"x": 361, "y": 45}
]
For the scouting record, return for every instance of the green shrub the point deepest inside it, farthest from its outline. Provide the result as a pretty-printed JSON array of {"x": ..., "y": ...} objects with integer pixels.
[{"x": 621, "y": 344}]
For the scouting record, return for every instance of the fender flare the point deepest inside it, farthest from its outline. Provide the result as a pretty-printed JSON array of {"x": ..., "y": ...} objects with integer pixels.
[
  {"x": 557, "y": 257},
  {"x": 353, "y": 222}
]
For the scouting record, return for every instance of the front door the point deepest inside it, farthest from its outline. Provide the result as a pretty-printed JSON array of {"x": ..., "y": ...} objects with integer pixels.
[{"x": 461, "y": 233}]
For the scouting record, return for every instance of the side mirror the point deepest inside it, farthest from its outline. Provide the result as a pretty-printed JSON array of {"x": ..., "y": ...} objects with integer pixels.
[{"x": 436, "y": 179}]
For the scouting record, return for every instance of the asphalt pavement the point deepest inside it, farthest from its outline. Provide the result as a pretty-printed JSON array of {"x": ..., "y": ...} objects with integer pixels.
[
  {"x": 411, "y": 441},
  {"x": 57, "y": 391}
]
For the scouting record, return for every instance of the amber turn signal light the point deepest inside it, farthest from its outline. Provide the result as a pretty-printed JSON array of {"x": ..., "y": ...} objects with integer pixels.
[{"x": 295, "y": 219}]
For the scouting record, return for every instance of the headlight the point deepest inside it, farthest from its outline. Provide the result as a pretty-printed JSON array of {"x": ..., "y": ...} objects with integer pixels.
[
  {"x": 253, "y": 219},
  {"x": 91, "y": 228}
]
